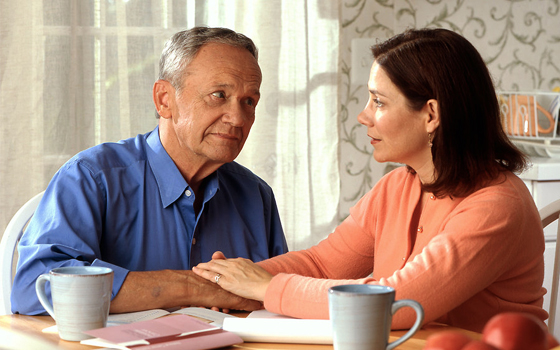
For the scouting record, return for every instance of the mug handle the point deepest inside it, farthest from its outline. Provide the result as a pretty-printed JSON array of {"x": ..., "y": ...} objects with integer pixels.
[
  {"x": 419, "y": 318},
  {"x": 41, "y": 294}
]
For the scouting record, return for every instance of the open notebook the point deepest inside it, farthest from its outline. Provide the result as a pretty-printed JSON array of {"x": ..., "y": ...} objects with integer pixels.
[{"x": 260, "y": 326}]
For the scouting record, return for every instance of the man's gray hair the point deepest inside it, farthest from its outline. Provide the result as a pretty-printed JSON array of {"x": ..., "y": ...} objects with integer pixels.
[{"x": 183, "y": 47}]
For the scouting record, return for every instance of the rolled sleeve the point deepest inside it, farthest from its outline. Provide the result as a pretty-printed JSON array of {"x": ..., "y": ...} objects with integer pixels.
[{"x": 119, "y": 275}]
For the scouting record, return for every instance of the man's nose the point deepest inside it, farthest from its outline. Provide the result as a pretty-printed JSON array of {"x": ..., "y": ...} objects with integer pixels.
[{"x": 235, "y": 114}]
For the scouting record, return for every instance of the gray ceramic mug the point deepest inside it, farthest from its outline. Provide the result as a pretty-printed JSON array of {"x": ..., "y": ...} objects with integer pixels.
[
  {"x": 361, "y": 316},
  {"x": 81, "y": 296}
]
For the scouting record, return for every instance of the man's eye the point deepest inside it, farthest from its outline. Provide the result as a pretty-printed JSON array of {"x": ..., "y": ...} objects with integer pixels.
[
  {"x": 250, "y": 102},
  {"x": 219, "y": 94}
]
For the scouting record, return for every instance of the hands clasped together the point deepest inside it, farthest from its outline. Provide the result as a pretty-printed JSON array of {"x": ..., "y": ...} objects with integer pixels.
[{"x": 238, "y": 276}]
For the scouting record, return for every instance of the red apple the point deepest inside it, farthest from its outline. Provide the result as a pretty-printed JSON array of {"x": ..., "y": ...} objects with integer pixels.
[
  {"x": 516, "y": 331},
  {"x": 447, "y": 340}
]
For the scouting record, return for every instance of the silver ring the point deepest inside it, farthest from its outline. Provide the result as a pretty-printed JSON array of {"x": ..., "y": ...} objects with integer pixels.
[{"x": 217, "y": 278}]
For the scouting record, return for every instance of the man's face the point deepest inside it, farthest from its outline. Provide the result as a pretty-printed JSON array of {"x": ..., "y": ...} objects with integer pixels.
[{"x": 215, "y": 109}]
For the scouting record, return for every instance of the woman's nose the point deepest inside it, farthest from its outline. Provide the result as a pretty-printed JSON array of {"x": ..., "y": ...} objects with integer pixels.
[{"x": 364, "y": 118}]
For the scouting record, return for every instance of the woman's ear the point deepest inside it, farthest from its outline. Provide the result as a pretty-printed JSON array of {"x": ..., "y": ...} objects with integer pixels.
[
  {"x": 163, "y": 95},
  {"x": 432, "y": 121}
]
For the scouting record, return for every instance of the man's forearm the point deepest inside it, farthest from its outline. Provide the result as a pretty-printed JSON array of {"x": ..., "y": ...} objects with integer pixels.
[{"x": 144, "y": 290}]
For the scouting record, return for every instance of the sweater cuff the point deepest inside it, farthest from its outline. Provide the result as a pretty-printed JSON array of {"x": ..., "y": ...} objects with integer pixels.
[{"x": 274, "y": 292}]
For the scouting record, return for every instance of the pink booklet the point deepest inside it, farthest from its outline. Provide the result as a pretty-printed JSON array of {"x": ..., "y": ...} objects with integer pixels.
[{"x": 169, "y": 332}]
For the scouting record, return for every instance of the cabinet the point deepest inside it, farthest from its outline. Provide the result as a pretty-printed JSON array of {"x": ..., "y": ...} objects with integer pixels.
[{"x": 543, "y": 181}]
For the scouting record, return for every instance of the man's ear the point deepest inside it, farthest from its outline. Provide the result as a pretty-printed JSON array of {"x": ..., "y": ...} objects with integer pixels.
[
  {"x": 432, "y": 109},
  {"x": 163, "y": 95}
]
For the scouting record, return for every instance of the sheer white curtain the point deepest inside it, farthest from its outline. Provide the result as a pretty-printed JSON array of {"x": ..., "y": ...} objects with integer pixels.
[{"x": 74, "y": 73}]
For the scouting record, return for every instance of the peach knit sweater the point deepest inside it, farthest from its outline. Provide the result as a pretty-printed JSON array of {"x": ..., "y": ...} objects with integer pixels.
[{"x": 474, "y": 257}]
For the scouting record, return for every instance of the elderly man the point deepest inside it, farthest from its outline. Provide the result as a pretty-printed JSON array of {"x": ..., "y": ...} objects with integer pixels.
[{"x": 153, "y": 206}]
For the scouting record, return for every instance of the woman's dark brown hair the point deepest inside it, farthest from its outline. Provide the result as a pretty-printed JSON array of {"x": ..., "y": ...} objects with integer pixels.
[{"x": 470, "y": 147}]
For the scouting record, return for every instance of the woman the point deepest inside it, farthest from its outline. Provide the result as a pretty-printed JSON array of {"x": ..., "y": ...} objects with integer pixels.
[{"x": 455, "y": 229}]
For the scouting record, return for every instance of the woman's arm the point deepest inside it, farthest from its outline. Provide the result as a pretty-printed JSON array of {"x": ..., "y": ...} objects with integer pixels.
[{"x": 486, "y": 259}]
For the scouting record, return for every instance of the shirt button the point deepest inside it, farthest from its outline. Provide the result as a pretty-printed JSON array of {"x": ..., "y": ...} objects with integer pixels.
[
  {"x": 432, "y": 197},
  {"x": 403, "y": 258},
  {"x": 420, "y": 229},
  {"x": 188, "y": 193},
  {"x": 193, "y": 241}
]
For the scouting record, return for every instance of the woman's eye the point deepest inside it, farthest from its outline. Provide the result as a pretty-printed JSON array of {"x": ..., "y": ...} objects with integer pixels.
[
  {"x": 219, "y": 94},
  {"x": 377, "y": 102}
]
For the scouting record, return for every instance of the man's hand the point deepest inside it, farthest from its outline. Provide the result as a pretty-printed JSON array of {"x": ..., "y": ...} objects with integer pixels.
[{"x": 171, "y": 288}]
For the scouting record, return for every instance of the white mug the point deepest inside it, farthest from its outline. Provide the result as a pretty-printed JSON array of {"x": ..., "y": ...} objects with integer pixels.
[
  {"x": 361, "y": 316},
  {"x": 81, "y": 296}
]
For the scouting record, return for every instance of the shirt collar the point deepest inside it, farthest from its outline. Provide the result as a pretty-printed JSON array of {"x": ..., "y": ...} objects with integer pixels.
[{"x": 170, "y": 181}]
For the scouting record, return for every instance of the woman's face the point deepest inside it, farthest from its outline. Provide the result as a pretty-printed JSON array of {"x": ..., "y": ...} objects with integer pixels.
[{"x": 398, "y": 133}]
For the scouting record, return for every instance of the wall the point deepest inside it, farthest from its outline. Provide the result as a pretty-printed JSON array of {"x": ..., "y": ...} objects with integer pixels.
[{"x": 519, "y": 40}]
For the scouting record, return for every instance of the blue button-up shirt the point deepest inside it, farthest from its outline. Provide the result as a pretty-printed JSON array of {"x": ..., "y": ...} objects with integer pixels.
[{"x": 126, "y": 206}]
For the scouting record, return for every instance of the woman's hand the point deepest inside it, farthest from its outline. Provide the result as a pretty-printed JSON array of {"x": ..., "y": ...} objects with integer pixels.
[{"x": 239, "y": 276}]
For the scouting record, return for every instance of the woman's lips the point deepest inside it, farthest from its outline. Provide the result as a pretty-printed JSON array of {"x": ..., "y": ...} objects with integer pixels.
[{"x": 374, "y": 140}]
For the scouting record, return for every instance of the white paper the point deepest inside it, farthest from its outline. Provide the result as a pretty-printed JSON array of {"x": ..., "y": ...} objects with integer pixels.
[
  {"x": 103, "y": 343},
  {"x": 266, "y": 327},
  {"x": 215, "y": 318}
]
